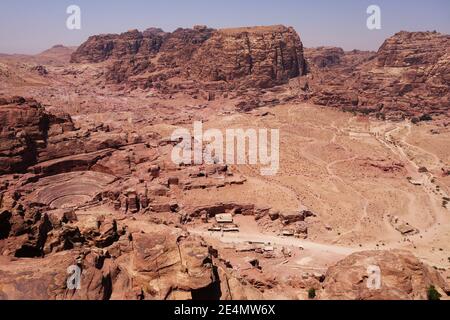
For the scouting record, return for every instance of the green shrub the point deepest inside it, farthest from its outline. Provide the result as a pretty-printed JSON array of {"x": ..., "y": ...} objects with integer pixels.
[
  {"x": 312, "y": 293},
  {"x": 432, "y": 294},
  {"x": 426, "y": 117}
]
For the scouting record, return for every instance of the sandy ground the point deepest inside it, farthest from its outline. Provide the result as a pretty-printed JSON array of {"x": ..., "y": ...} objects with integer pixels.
[{"x": 327, "y": 163}]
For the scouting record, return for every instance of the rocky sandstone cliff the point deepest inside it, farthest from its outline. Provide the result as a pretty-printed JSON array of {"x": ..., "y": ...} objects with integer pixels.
[
  {"x": 249, "y": 57},
  {"x": 25, "y": 131},
  {"x": 257, "y": 57},
  {"x": 34, "y": 139},
  {"x": 407, "y": 77}
]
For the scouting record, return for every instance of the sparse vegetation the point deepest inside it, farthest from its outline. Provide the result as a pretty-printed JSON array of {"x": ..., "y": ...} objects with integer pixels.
[
  {"x": 415, "y": 120},
  {"x": 433, "y": 294},
  {"x": 426, "y": 117},
  {"x": 312, "y": 293}
]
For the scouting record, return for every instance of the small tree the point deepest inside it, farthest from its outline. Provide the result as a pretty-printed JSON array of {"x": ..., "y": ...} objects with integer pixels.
[
  {"x": 433, "y": 294},
  {"x": 312, "y": 293},
  {"x": 426, "y": 117}
]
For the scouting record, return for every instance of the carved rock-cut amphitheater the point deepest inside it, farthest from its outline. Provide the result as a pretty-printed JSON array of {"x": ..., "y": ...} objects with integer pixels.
[{"x": 69, "y": 190}]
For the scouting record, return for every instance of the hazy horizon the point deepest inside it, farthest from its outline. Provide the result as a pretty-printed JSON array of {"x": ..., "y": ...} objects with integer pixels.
[{"x": 42, "y": 24}]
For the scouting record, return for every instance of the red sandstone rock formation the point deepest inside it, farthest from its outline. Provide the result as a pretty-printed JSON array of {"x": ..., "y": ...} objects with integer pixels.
[
  {"x": 408, "y": 76},
  {"x": 403, "y": 277},
  {"x": 24, "y": 132},
  {"x": 252, "y": 57},
  {"x": 157, "y": 265}
]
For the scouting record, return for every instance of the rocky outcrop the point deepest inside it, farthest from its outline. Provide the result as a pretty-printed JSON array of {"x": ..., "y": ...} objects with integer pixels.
[
  {"x": 35, "y": 140},
  {"x": 323, "y": 57},
  {"x": 408, "y": 49},
  {"x": 30, "y": 135},
  {"x": 153, "y": 54},
  {"x": 23, "y": 131},
  {"x": 407, "y": 77},
  {"x": 24, "y": 227},
  {"x": 253, "y": 57},
  {"x": 57, "y": 55},
  {"x": 100, "y": 48},
  {"x": 179, "y": 46},
  {"x": 46, "y": 279},
  {"x": 153, "y": 265},
  {"x": 257, "y": 57},
  {"x": 164, "y": 266},
  {"x": 403, "y": 277}
]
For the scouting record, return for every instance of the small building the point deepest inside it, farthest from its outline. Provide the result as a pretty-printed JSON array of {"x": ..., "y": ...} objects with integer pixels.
[
  {"x": 224, "y": 218},
  {"x": 288, "y": 233},
  {"x": 215, "y": 228},
  {"x": 230, "y": 228},
  {"x": 245, "y": 248}
]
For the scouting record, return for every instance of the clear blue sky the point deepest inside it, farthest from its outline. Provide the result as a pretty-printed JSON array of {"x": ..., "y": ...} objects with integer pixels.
[{"x": 30, "y": 26}]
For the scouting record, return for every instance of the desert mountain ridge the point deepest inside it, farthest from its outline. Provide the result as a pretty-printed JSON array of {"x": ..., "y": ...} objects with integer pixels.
[{"x": 404, "y": 78}]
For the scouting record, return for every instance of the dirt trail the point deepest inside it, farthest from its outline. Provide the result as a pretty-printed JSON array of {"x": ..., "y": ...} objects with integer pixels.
[
  {"x": 393, "y": 138},
  {"x": 238, "y": 238},
  {"x": 386, "y": 137}
]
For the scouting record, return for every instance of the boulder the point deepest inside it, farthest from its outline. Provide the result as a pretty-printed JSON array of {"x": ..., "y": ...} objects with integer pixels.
[{"x": 403, "y": 277}]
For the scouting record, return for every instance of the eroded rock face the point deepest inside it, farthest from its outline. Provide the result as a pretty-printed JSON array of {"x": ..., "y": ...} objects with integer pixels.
[
  {"x": 253, "y": 57},
  {"x": 100, "y": 190},
  {"x": 407, "y": 77},
  {"x": 165, "y": 266},
  {"x": 103, "y": 47},
  {"x": 46, "y": 279},
  {"x": 25, "y": 132},
  {"x": 403, "y": 277},
  {"x": 24, "y": 127},
  {"x": 156, "y": 265},
  {"x": 406, "y": 49},
  {"x": 324, "y": 57},
  {"x": 257, "y": 57}
]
